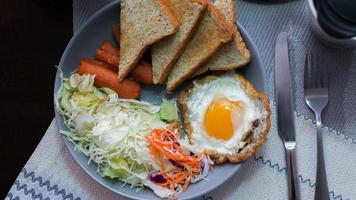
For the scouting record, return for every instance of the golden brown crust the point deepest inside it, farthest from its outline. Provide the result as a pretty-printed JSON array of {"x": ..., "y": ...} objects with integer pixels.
[
  {"x": 222, "y": 21},
  {"x": 228, "y": 10},
  {"x": 226, "y": 27},
  {"x": 235, "y": 10},
  {"x": 238, "y": 38},
  {"x": 242, "y": 47},
  {"x": 167, "y": 9},
  {"x": 244, "y": 51},
  {"x": 182, "y": 101},
  {"x": 163, "y": 76},
  {"x": 228, "y": 7},
  {"x": 251, "y": 148}
]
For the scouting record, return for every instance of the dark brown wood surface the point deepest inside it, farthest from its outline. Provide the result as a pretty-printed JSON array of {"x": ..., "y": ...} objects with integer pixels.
[{"x": 33, "y": 35}]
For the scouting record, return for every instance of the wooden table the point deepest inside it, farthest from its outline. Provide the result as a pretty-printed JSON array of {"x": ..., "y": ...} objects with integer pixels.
[{"x": 33, "y": 35}]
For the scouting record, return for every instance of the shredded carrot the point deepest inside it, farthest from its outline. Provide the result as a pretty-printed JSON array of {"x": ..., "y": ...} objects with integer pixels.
[
  {"x": 155, "y": 156},
  {"x": 180, "y": 177},
  {"x": 185, "y": 186},
  {"x": 165, "y": 145}
]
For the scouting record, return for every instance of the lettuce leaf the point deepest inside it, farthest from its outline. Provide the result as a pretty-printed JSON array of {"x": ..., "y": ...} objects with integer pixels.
[
  {"x": 120, "y": 172},
  {"x": 168, "y": 110}
]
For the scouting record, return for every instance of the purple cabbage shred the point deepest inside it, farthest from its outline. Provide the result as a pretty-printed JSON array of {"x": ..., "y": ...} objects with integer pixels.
[{"x": 157, "y": 177}]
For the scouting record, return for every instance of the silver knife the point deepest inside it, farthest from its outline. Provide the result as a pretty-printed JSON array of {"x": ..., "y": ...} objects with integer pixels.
[{"x": 285, "y": 114}]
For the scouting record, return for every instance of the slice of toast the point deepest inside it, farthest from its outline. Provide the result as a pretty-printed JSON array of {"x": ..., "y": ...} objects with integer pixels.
[
  {"x": 228, "y": 9},
  {"x": 166, "y": 52},
  {"x": 212, "y": 32},
  {"x": 232, "y": 55},
  {"x": 142, "y": 23}
]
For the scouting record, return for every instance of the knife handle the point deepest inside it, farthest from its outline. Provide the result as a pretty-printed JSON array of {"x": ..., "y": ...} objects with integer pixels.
[{"x": 293, "y": 186}]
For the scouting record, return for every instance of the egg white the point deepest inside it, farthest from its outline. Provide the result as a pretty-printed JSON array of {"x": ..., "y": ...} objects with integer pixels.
[{"x": 229, "y": 87}]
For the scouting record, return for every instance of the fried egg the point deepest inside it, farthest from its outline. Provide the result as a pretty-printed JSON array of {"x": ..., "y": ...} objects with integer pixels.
[{"x": 225, "y": 117}]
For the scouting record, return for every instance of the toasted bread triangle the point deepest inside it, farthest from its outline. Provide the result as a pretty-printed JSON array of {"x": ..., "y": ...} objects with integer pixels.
[
  {"x": 212, "y": 32},
  {"x": 166, "y": 52},
  {"x": 142, "y": 23},
  {"x": 232, "y": 55}
]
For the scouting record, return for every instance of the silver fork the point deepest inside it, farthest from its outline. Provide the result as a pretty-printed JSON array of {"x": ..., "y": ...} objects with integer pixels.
[{"x": 316, "y": 97}]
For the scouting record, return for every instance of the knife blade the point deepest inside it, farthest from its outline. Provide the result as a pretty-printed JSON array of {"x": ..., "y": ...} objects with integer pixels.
[
  {"x": 285, "y": 114},
  {"x": 284, "y": 100}
]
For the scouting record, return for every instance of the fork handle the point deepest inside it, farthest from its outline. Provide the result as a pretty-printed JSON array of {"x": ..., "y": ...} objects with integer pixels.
[
  {"x": 293, "y": 187},
  {"x": 321, "y": 185}
]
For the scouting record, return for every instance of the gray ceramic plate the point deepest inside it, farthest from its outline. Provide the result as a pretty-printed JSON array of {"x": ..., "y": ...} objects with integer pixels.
[{"x": 83, "y": 45}]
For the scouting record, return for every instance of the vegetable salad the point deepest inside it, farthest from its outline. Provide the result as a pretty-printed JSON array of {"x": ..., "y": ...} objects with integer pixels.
[{"x": 133, "y": 141}]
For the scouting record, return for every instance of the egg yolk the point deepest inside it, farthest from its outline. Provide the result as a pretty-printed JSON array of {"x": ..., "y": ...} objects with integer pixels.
[{"x": 222, "y": 118}]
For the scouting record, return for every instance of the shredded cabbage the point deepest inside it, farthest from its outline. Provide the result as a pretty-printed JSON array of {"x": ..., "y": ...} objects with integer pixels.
[{"x": 109, "y": 130}]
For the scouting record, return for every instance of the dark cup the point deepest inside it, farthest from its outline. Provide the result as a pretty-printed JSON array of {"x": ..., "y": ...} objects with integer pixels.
[
  {"x": 332, "y": 28},
  {"x": 344, "y": 8}
]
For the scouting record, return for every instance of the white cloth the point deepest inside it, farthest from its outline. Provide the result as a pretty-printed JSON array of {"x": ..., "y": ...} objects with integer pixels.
[{"x": 261, "y": 177}]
